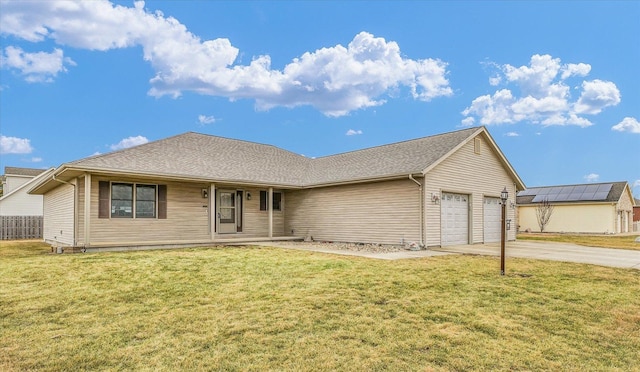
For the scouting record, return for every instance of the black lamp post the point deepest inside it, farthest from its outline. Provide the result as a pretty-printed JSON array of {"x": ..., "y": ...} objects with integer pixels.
[{"x": 504, "y": 195}]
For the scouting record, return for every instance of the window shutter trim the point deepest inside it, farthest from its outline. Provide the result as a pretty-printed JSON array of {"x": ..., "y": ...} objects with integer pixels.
[
  {"x": 162, "y": 202},
  {"x": 103, "y": 199}
]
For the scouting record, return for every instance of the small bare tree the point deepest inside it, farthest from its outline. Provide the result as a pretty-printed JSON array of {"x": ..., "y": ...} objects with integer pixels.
[{"x": 544, "y": 210}]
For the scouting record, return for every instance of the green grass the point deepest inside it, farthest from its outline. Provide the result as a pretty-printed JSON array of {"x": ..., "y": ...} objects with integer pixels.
[
  {"x": 604, "y": 241},
  {"x": 272, "y": 309}
]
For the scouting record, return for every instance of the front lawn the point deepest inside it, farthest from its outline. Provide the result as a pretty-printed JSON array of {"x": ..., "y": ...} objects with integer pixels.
[
  {"x": 604, "y": 241},
  {"x": 234, "y": 308}
]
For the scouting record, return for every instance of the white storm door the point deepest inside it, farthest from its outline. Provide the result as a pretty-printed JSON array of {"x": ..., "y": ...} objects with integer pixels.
[
  {"x": 455, "y": 219},
  {"x": 492, "y": 215},
  {"x": 226, "y": 213}
]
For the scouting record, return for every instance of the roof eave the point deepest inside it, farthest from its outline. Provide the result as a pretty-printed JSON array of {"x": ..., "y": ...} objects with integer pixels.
[
  {"x": 365, "y": 180},
  {"x": 65, "y": 173}
]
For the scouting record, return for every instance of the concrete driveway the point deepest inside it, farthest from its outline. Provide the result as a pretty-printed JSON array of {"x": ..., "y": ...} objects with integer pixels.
[
  {"x": 555, "y": 252},
  {"x": 521, "y": 248}
]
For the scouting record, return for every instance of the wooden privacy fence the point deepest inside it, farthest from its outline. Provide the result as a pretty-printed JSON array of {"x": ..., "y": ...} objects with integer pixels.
[{"x": 20, "y": 227}]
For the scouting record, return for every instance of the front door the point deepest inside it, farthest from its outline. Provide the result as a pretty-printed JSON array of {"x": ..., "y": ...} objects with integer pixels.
[{"x": 226, "y": 213}]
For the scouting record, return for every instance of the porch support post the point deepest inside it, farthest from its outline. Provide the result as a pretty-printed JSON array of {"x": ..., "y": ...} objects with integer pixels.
[
  {"x": 270, "y": 203},
  {"x": 87, "y": 209},
  {"x": 213, "y": 220}
]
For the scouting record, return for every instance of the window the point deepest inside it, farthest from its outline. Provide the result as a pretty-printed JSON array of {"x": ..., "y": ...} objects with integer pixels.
[
  {"x": 145, "y": 201},
  {"x": 123, "y": 197},
  {"x": 121, "y": 200},
  {"x": 263, "y": 200},
  {"x": 276, "y": 202}
]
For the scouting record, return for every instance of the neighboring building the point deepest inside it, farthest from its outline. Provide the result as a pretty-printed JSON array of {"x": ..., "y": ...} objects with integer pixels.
[
  {"x": 636, "y": 215},
  {"x": 602, "y": 208},
  {"x": 16, "y": 182},
  {"x": 201, "y": 189}
]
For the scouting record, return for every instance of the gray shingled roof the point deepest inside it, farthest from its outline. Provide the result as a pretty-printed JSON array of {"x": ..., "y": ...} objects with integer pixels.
[
  {"x": 16, "y": 171},
  {"x": 614, "y": 195},
  {"x": 216, "y": 158},
  {"x": 406, "y": 157}
]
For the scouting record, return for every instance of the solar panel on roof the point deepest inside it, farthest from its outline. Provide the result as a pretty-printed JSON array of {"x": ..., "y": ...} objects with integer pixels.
[
  {"x": 572, "y": 193},
  {"x": 544, "y": 191},
  {"x": 601, "y": 195},
  {"x": 605, "y": 187},
  {"x": 580, "y": 188},
  {"x": 574, "y": 196},
  {"x": 526, "y": 192}
]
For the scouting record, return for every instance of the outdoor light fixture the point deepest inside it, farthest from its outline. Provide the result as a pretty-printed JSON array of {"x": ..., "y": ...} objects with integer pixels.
[
  {"x": 504, "y": 195},
  {"x": 248, "y": 196},
  {"x": 205, "y": 193}
]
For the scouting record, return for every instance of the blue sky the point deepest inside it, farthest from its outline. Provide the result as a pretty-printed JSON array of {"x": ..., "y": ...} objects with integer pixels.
[{"x": 556, "y": 83}]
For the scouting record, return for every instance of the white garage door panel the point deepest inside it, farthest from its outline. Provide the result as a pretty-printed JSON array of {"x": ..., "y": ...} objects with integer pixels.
[
  {"x": 492, "y": 216},
  {"x": 455, "y": 219}
]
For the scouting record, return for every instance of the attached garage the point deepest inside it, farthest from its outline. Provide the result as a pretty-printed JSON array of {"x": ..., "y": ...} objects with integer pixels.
[
  {"x": 492, "y": 216},
  {"x": 455, "y": 219}
]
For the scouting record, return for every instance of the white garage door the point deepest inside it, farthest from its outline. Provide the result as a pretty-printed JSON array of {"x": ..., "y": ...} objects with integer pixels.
[
  {"x": 455, "y": 219},
  {"x": 492, "y": 216}
]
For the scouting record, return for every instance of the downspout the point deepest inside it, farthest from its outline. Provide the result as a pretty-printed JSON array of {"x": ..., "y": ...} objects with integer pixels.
[
  {"x": 75, "y": 196},
  {"x": 421, "y": 210}
]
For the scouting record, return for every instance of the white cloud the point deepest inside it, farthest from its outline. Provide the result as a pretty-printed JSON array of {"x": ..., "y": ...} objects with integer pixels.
[
  {"x": 495, "y": 80},
  {"x": 580, "y": 69},
  {"x": 596, "y": 95},
  {"x": 36, "y": 160},
  {"x": 203, "y": 119},
  {"x": 129, "y": 142},
  {"x": 592, "y": 177},
  {"x": 36, "y": 67},
  {"x": 335, "y": 80},
  {"x": 512, "y": 134},
  {"x": 352, "y": 132},
  {"x": 636, "y": 183},
  {"x": 468, "y": 121},
  {"x": 627, "y": 124},
  {"x": 14, "y": 145},
  {"x": 542, "y": 95}
]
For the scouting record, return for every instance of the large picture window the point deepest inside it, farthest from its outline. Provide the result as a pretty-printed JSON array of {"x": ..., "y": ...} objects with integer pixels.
[{"x": 127, "y": 199}]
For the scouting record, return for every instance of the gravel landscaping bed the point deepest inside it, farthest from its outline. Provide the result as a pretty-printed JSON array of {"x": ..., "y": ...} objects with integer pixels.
[{"x": 356, "y": 247}]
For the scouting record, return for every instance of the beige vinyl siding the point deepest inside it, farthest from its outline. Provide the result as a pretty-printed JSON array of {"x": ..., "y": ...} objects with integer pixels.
[
  {"x": 381, "y": 212},
  {"x": 187, "y": 217},
  {"x": 80, "y": 210},
  {"x": 255, "y": 221},
  {"x": 572, "y": 218},
  {"x": 58, "y": 215},
  {"x": 469, "y": 173}
]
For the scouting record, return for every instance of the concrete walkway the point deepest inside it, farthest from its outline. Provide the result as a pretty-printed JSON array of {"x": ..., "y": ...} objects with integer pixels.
[{"x": 522, "y": 249}]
